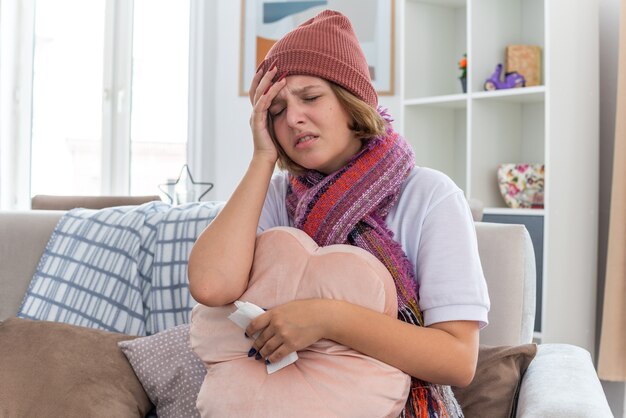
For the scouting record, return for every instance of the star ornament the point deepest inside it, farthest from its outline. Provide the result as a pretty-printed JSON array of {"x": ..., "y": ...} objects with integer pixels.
[{"x": 185, "y": 189}]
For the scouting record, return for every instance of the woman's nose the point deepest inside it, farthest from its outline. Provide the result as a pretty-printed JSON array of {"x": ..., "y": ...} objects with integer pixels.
[{"x": 295, "y": 115}]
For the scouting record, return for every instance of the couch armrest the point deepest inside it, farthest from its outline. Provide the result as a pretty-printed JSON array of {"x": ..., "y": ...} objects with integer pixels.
[{"x": 561, "y": 382}]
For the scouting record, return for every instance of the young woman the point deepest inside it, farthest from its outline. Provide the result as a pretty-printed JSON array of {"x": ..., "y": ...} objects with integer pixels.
[{"x": 350, "y": 179}]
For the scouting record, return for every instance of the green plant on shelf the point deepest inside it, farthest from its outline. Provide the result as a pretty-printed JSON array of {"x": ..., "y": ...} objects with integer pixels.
[{"x": 463, "y": 77}]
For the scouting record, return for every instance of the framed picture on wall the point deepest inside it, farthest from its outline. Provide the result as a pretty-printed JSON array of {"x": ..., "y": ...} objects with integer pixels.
[{"x": 263, "y": 22}]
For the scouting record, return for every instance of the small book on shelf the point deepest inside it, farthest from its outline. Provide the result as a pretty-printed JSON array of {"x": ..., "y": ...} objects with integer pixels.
[{"x": 526, "y": 60}]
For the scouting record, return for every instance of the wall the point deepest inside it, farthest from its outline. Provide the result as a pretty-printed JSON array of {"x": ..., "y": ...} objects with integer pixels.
[
  {"x": 609, "y": 35},
  {"x": 233, "y": 143}
]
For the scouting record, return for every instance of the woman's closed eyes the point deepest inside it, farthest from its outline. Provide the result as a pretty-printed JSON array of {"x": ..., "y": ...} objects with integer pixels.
[{"x": 279, "y": 107}]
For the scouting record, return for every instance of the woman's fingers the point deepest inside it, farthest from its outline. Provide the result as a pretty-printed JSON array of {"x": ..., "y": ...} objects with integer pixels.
[
  {"x": 272, "y": 350},
  {"x": 265, "y": 92},
  {"x": 287, "y": 328},
  {"x": 262, "y": 92},
  {"x": 265, "y": 100},
  {"x": 258, "y": 323},
  {"x": 278, "y": 354},
  {"x": 268, "y": 350},
  {"x": 261, "y": 82},
  {"x": 268, "y": 342}
]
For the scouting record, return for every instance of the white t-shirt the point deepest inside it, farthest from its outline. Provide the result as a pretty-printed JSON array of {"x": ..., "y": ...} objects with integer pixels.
[{"x": 433, "y": 224}]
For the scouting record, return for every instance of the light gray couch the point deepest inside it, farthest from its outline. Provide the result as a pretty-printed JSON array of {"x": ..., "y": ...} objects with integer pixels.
[{"x": 560, "y": 382}]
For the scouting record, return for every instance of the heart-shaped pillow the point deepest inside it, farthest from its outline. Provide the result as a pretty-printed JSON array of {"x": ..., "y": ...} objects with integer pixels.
[{"x": 328, "y": 379}]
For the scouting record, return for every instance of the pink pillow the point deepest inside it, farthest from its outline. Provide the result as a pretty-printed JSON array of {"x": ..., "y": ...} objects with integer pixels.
[{"x": 328, "y": 379}]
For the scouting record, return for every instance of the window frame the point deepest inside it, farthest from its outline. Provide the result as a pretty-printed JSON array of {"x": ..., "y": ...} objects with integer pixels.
[
  {"x": 116, "y": 97},
  {"x": 17, "y": 23}
]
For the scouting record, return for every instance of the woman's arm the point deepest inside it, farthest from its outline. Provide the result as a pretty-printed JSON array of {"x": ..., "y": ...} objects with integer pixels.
[
  {"x": 221, "y": 258},
  {"x": 444, "y": 353}
]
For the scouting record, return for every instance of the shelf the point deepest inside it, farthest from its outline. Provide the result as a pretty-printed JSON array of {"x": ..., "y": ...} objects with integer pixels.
[
  {"x": 519, "y": 95},
  {"x": 453, "y": 101},
  {"x": 468, "y": 135},
  {"x": 510, "y": 211},
  {"x": 459, "y": 101}
]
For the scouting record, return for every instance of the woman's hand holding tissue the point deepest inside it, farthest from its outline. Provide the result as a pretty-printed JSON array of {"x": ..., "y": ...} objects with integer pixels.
[{"x": 290, "y": 327}]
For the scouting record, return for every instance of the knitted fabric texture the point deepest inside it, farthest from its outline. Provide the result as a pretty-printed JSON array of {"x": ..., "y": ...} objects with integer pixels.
[
  {"x": 325, "y": 46},
  {"x": 350, "y": 207}
]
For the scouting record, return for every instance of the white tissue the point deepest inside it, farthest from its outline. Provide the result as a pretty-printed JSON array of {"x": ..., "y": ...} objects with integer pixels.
[{"x": 244, "y": 314}]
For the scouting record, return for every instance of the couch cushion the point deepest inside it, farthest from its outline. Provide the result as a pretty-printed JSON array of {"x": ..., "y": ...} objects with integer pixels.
[
  {"x": 328, "y": 378},
  {"x": 169, "y": 371},
  {"x": 66, "y": 371},
  {"x": 508, "y": 261},
  {"x": 494, "y": 390}
]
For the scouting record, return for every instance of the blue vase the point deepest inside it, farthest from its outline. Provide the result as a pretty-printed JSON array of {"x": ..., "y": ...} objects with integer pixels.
[{"x": 463, "y": 84}]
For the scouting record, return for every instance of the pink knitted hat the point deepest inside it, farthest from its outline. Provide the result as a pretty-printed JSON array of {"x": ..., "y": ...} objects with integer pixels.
[{"x": 326, "y": 47}]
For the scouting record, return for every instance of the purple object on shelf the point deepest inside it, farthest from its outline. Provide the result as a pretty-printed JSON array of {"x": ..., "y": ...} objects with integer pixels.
[{"x": 511, "y": 80}]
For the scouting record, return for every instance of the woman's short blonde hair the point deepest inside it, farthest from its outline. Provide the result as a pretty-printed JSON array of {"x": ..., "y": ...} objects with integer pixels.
[{"x": 366, "y": 124}]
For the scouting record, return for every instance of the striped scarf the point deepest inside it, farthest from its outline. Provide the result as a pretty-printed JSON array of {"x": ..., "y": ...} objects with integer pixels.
[{"x": 350, "y": 207}]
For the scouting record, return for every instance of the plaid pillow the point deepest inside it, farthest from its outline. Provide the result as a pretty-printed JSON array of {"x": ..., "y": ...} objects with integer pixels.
[{"x": 120, "y": 269}]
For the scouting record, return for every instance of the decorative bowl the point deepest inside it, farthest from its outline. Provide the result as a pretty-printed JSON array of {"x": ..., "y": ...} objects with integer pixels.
[{"x": 521, "y": 184}]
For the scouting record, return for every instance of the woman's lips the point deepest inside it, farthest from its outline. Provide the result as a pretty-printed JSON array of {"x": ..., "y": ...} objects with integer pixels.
[{"x": 305, "y": 140}]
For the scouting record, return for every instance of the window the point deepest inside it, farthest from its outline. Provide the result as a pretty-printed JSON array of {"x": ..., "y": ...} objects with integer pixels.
[
  {"x": 67, "y": 97},
  {"x": 109, "y": 95}
]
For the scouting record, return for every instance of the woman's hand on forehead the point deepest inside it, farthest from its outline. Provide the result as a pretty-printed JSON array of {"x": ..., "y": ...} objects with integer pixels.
[
  {"x": 262, "y": 91},
  {"x": 262, "y": 83}
]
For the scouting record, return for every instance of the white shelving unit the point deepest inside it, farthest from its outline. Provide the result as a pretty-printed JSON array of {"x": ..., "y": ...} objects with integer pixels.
[{"x": 466, "y": 135}]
